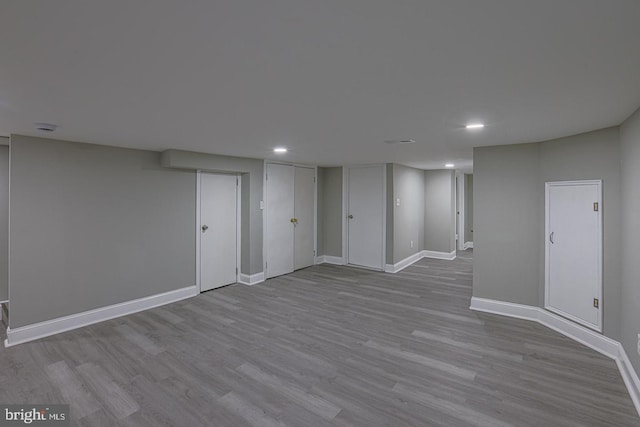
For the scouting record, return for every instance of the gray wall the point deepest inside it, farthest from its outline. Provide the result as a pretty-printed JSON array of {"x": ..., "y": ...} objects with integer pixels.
[
  {"x": 252, "y": 171},
  {"x": 509, "y": 215},
  {"x": 4, "y": 222},
  {"x": 630, "y": 292},
  {"x": 439, "y": 211},
  {"x": 320, "y": 211},
  {"x": 468, "y": 208},
  {"x": 93, "y": 226},
  {"x": 330, "y": 211},
  {"x": 408, "y": 218},
  {"x": 389, "y": 214}
]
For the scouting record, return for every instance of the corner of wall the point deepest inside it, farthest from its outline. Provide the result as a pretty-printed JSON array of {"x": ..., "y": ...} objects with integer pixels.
[
  {"x": 630, "y": 182},
  {"x": 4, "y": 307},
  {"x": 391, "y": 192}
]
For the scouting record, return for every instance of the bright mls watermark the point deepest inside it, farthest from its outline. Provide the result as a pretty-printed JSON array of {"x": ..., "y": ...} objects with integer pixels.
[{"x": 35, "y": 415}]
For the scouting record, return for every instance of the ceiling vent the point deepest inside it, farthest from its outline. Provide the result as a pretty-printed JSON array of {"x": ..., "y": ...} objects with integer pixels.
[
  {"x": 46, "y": 127},
  {"x": 400, "y": 141}
]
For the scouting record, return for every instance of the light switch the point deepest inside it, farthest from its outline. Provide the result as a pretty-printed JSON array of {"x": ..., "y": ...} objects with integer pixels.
[
  {"x": 398, "y": 201},
  {"x": 261, "y": 204}
]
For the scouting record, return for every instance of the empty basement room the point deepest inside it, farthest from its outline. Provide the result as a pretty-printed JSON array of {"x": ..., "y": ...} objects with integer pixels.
[{"x": 320, "y": 213}]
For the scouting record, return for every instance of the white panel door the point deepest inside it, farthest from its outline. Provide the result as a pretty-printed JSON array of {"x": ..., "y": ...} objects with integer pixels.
[
  {"x": 279, "y": 212},
  {"x": 574, "y": 251},
  {"x": 218, "y": 226},
  {"x": 304, "y": 225},
  {"x": 366, "y": 216}
]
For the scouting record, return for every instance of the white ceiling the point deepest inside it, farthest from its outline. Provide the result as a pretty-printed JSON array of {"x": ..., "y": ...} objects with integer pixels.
[{"x": 330, "y": 79}]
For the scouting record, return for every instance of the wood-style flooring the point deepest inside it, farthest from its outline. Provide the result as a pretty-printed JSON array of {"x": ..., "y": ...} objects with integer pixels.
[{"x": 327, "y": 345}]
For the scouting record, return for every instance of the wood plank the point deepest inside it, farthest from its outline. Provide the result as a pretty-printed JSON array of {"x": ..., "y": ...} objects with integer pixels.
[{"x": 325, "y": 346}]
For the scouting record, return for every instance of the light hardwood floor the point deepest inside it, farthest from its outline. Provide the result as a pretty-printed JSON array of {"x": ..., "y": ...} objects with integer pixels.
[{"x": 327, "y": 345}]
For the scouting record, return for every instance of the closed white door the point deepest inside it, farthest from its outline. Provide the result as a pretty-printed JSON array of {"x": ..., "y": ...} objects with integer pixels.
[
  {"x": 574, "y": 251},
  {"x": 280, "y": 219},
  {"x": 304, "y": 224},
  {"x": 218, "y": 228},
  {"x": 365, "y": 215}
]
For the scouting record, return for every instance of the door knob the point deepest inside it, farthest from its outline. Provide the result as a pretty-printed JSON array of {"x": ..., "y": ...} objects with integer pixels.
[
  {"x": 551, "y": 238},
  {"x": 205, "y": 228},
  {"x": 350, "y": 217},
  {"x": 294, "y": 220}
]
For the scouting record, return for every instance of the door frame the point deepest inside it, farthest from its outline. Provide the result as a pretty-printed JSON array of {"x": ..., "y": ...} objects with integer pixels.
[
  {"x": 265, "y": 198},
  {"x": 460, "y": 209},
  {"x": 199, "y": 224},
  {"x": 345, "y": 213},
  {"x": 547, "y": 248}
]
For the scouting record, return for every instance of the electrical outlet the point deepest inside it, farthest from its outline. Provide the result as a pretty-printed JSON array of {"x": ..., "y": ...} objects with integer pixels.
[{"x": 412, "y": 247}]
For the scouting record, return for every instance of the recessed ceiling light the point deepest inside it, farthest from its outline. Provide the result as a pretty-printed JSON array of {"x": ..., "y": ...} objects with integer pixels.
[
  {"x": 280, "y": 150},
  {"x": 449, "y": 165},
  {"x": 46, "y": 127},
  {"x": 475, "y": 126}
]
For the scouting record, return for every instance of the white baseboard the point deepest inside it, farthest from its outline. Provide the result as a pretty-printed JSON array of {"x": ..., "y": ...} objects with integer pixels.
[
  {"x": 468, "y": 245},
  {"x": 62, "y": 324},
  {"x": 629, "y": 376},
  {"x": 598, "y": 342},
  {"x": 394, "y": 268},
  {"x": 328, "y": 259},
  {"x": 510, "y": 309},
  {"x": 252, "y": 279},
  {"x": 439, "y": 255},
  {"x": 401, "y": 265}
]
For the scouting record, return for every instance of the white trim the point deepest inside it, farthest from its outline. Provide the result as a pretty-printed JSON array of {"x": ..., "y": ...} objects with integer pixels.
[
  {"x": 345, "y": 213},
  {"x": 238, "y": 224},
  {"x": 264, "y": 222},
  {"x": 252, "y": 279},
  {"x": 547, "y": 250},
  {"x": 198, "y": 231},
  {"x": 598, "y": 342},
  {"x": 629, "y": 376},
  {"x": 315, "y": 211},
  {"x": 468, "y": 245},
  {"x": 459, "y": 187},
  {"x": 503, "y": 308},
  {"x": 439, "y": 255},
  {"x": 394, "y": 268},
  {"x": 62, "y": 324},
  {"x": 384, "y": 215},
  {"x": 401, "y": 265},
  {"x": 460, "y": 195},
  {"x": 591, "y": 339},
  {"x": 328, "y": 259}
]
